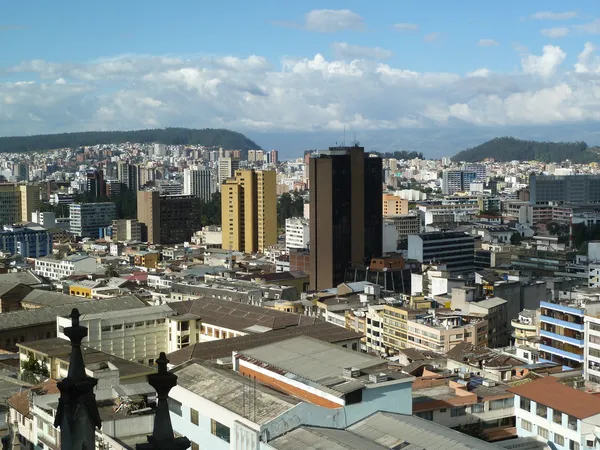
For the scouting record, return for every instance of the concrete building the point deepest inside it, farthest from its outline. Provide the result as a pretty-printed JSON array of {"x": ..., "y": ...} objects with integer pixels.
[
  {"x": 456, "y": 181},
  {"x": 18, "y": 202},
  {"x": 86, "y": 219},
  {"x": 526, "y": 328},
  {"x": 297, "y": 232},
  {"x": 498, "y": 325},
  {"x": 167, "y": 219},
  {"x": 454, "y": 249},
  {"x": 135, "y": 334},
  {"x": 591, "y": 366},
  {"x": 57, "y": 269},
  {"x": 575, "y": 189},
  {"x": 126, "y": 230},
  {"x": 397, "y": 228},
  {"x": 346, "y": 219},
  {"x": 227, "y": 169},
  {"x": 128, "y": 175},
  {"x": 29, "y": 241},
  {"x": 558, "y": 415},
  {"x": 394, "y": 205},
  {"x": 46, "y": 219},
  {"x": 249, "y": 211},
  {"x": 199, "y": 182}
]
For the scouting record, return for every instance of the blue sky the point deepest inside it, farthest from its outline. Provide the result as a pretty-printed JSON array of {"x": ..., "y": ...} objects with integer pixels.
[{"x": 272, "y": 66}]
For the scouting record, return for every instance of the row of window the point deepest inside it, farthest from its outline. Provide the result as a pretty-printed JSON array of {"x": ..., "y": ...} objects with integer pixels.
[
  {"x": 557, "y": 438},
  {"x": 216, "y": 428},
  {"x": 117, "y": 327},
  {"x": 542, "y": 411}
]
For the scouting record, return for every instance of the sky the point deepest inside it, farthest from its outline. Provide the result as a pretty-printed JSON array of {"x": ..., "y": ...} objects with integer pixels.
[{"x": 272, "y": 68}]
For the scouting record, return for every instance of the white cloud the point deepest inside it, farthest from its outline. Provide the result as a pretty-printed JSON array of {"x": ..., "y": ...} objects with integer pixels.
[
  {"x": 406, "y": 26},
  {"x": 331, "y": 20},
  {"x": 432, "y": 37},
  {"x": 546, "y": 64},
  {"x": 557, "y": 32},
  {"x": 303, "y": 94},
  {"x": 589, "y": 28},
  {"x": 548, "y": 15},
  {"x": 487, "y": 43},
  {"x": 344, "y": 50}
]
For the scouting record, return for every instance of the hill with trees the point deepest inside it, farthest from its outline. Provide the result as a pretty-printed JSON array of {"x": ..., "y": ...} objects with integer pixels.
[
  {"x": 509, "y": 149},
  {"x": 209, "y": 137},
  {"x": 402, "y": 154}
]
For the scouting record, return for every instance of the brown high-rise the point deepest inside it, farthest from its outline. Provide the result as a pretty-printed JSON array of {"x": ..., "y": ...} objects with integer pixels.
[
  {"x": 345, "y": 213},
  {"x": 167, "y": 219}
]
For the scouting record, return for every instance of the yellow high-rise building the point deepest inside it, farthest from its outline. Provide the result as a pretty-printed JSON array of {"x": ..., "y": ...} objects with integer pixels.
[
  {"x": 249, "y": 211},
  {"x": 17, "y": 202}
]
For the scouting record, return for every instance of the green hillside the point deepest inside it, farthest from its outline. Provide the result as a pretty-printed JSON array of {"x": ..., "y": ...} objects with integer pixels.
[
  {"x": 170, "y": 136},
  {"x": 509, "y": 149}
]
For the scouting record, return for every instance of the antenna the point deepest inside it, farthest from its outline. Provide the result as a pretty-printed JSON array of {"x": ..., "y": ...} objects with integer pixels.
[{"x": 344, "y": 144}]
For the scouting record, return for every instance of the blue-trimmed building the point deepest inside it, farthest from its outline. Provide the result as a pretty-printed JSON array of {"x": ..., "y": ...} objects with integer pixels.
[
  {"x": 29, "y": 241},
  {"x": 562, "y": 332}
]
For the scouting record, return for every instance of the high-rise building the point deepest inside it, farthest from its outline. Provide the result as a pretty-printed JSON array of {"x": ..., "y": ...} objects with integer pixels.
[
  {"x": 199, "y": 182},
  {"x": 167, "y": 219},
  {"x": 126, "y": 230},
  {"x": 249, "y": 211},
  {"x": 128, "y": 175},
  {"x": 87, "y": 219},
  {"x": 394, "y": 205},
  {"x": 227, "y": 168},
  {"x": 18, "y": 202},
  {"x": 296, "y": 233},
  {"x": 345, "y": 212},
  {"x": 454, "y": 249},
  {"x": 456, "y": 181},
  {"x": 95, "y": 183},
  {"x": 479, "y": 169},
  {"x": 273, "y": 157},
  {"x": 544, "y": 189},
  {"x": 22, "y": 171}
]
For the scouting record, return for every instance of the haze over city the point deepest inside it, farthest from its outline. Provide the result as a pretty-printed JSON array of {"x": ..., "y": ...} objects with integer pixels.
[{"x": 430, "y": 76}]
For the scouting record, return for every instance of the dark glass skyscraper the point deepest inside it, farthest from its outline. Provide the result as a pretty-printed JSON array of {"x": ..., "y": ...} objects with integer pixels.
[{"x": 345, "y": 212}]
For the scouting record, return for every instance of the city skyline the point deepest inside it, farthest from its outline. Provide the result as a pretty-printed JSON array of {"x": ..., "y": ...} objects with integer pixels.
[{"x": 390, "y": 75}]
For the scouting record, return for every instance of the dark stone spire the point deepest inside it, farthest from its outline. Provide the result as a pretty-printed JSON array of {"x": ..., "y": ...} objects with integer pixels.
[
  {"x": 77, "y": 414},
  {"x": 162, "y": 435}
]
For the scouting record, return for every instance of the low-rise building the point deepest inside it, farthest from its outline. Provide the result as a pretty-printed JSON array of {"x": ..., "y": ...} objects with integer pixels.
[
  {"x": 29, "y": 241},
  {"x": 11, "y": 295},
  {"x": 296, "y": 233},
  {"x": 56, "y": 269}
]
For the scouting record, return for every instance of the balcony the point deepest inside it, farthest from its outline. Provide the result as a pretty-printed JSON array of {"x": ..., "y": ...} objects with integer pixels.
[
  {"x": 561, "y": 338},
  {"x": 561, "y": 353},
  {"x": 562, "y": 323},
  {"x": 517, "y": 325},
  {"x": 562, "y": 308}
]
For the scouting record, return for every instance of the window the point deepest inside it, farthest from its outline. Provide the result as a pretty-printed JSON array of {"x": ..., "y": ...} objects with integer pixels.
[
  {"x": 557, "y": 417},
  {"x": 572, "y": 423},
  {"x": 458, "y": 411},
  {"x": 526, "y": 425},
  {"x": 559, "y": 440},
  {"x": 525, "y": 404},
  {"x": 195, "y": 446},
  {"x": 219, "y": 430},
  {"x": 427, "y": 415},
  {"x": 139, "y": 324},
  {"x": 106, "y": 328},
  {"x": 589, "y": 443},
  {"x": 174, "y": 406},
  {"x": 194, "y": 416},
  {"x": 128, "y": 325},
  {"x": 542, "y": 411},
  {"x": 117, "y": 327},
  {"x": 477, "y": 408},
  {"x": 542, "y": 432},
  {"x": 573, "y": 445},
  {"x": 443, "y": 410}
]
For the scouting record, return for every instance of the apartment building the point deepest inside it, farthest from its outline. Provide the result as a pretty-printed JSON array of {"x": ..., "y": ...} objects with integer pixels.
[
  {"x": 591, "y": 366},
  {"x": 374, "y": 329},
  {"x": 526, "y": 328},
  {"x": 199, "y": 182},
  {"x": 18, "y": 202},
  {"x": 126, "y": 230},
  {"x": 395, "y": 326},
  {"x": 57, "y": 269},
  {"x": 296, "y": 234},
  {"x": 86, "y": 219},
  {"x": 394, "y": 205},
  {"x": 457, "y": 181},
  {"x": 557, "y": 415},
  {"x": 134, "y": 334},
  {"x": 562, "y": 331},
  {"x": 249, "y": 211},
  {"x": 29, "y": 241},
  {"x": 167, "y": 219},
  {"x": 454, "y": 249},
  {"x": 227, "y": 168}
]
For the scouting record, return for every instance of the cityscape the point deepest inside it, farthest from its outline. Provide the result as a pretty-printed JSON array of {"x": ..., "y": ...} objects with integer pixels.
[{"x": 170, "y": 283}]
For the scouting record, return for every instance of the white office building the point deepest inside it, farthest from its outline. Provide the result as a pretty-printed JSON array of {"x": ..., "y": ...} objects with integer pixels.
[
  {"x": 227, "y": 168},
  {"x": 57, "y": 269},
  {"x": 86, "y": 219},
  {"x": 296, "y": 233},
  {"x": 199, "y": 182}
]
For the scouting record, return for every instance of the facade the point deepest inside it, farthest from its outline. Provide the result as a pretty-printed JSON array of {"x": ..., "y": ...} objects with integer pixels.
[
  {"x": 126, "y": 230},
  {"x": 395, "y": 327},
  {"x": 404, "y": 225},
  {"x": 167, "y": 219},
  {"x": 591, "y": 367},
  {"x": 46, "y": 219},
  {"x": 249, "y": 211},
  {"x": 454, "y": 249},
  {"x": 526, "y": 327},
  {"x": 199, "y": 182},
  {"x": 18, "y": 202},
  {"x": 457, "y": 181},
  {"x": 441, "y": 333},
  {"x": 227, "y": 168},
  {"x": 86, "y": 219},
  {"x": 57, "y": 269},
  {"x": 498, "y": 325},
  {"x": 128, "y": 175},
  {"x": 394, "y": 205},
  {"x": 545, "y": 189},
  {"x": 346, "y": 219},
  {"x": 31, "y": 241},
  {"x": 296, "y": 233},
  {"x": 560, "y": 416}
]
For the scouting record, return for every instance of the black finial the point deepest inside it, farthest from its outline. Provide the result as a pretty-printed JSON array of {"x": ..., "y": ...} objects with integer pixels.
[{"x": 162, "y": 435}]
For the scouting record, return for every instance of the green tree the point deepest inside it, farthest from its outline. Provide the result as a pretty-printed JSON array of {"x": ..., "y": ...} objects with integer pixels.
[
  {"x": 474, "y": 429},
  {"x": 516, "y": 238},
  {"x": 110, "y": 272},
  {"x": 33, "y": 371},
  {"x": 289, "y": 205}
]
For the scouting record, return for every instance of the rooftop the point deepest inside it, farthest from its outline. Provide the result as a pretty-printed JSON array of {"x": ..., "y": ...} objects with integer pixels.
[
  {"x": 230, "y": 390},
  {"x": 41, "y": 297},
  {"x": 549, "y": 392},
  {"x": 26, "y": 277}
]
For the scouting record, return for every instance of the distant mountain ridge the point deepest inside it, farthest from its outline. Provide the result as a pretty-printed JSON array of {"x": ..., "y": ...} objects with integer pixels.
[
  {"x": 209, "y": 137},
  {"x": 508, "y": 149}
]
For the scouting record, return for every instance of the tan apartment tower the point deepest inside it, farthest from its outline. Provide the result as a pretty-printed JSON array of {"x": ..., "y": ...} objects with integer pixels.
[
  {"x": 18, "y": 202},
  {"x": 249, "y": 211}
]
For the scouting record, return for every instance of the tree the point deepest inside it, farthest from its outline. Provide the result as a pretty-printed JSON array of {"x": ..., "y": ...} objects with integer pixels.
[
  {"x": 289, "y": 205},
  {"x": 33, "y": 371},
  {"x": 516, "y": 238},
  {"x": 474, "y": 429},
  {"x": 110, "y": 272}
]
